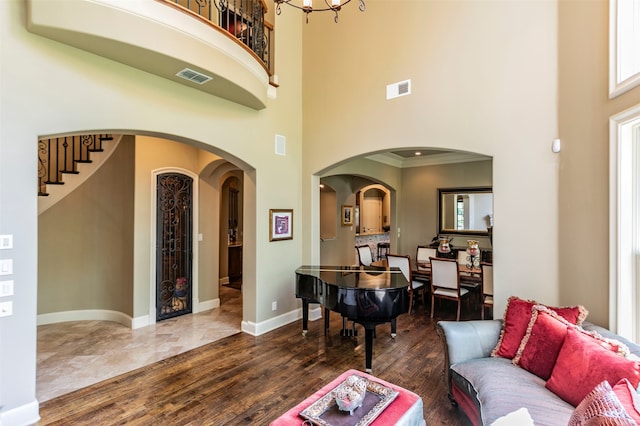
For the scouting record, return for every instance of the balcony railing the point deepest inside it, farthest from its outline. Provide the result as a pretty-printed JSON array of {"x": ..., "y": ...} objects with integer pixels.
[{"x": 243, "y": 19}]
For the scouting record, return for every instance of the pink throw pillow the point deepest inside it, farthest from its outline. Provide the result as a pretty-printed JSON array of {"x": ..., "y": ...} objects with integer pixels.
[
  {"x": 629, "y": 398},
  {"x": 541, "y": 343},
  {"x": 600, "y": 407},
  {"x": 543, "y": 339},
  {"x": 584, "y": 362},
  {"x": 517, "y": 317}
]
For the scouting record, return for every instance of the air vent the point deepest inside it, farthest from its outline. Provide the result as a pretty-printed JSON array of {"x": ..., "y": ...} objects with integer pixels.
[
  {"x": 195, "y": 76},
  {"x": 401, "y": 88}
]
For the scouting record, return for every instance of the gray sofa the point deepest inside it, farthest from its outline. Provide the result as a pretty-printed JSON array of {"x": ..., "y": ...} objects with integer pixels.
[{"x": 486, "y": 388}]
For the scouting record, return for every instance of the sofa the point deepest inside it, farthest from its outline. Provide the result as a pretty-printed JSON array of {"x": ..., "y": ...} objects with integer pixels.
[{"x": 540, "y": 365}]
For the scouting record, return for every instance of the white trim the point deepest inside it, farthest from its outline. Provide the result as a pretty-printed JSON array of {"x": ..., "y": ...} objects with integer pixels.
[
  {"x": 209, "y": 304},
  {"x": 26, "y": 414},
  {"x": 194, "y": 238},
  {"x": 616, "y": 85},
  {"x": 256, "y": 329},
  {"x": 623, "y": 216},
  {"x": 85, "y": 315}
]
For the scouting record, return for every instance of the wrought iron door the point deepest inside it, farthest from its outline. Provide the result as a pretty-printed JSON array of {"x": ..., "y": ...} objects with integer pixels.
[{"x": 173, "y": 247}]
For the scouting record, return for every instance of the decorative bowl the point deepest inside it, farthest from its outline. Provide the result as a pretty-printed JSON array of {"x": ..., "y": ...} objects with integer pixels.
[{"x": 351, "y": 393}]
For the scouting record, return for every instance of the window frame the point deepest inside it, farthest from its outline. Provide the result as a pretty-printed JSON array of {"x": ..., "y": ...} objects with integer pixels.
[{"x": 618, "y": 55}]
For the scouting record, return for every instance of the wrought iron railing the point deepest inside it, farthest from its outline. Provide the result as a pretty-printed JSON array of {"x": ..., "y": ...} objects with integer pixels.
[
  {"x": 57, "y": 156},
  {"x": 243, "y": 19}
]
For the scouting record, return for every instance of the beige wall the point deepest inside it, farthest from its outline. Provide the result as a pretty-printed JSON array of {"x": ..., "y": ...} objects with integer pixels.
[
  {"x": 473, "y": 89},
  {"x": 85, "y": 250},
  {"x": 584, "y": 111},
  {"x": 47, "y": 88},
  {"x": 419, "y": 210}
]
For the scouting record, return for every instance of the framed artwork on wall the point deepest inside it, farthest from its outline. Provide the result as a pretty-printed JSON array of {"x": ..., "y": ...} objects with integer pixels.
[
  {"x": 280, "y": 224},
  {"x": 347, "y": 215}
]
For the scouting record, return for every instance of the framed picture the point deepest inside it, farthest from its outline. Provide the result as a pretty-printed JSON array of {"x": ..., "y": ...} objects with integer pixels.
[
  {"x": 280, "y": 224},
  {"x": 347, "y": 215}
]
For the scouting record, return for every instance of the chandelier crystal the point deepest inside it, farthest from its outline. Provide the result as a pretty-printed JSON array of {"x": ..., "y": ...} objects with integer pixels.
[{"x": 307, "y": 6}]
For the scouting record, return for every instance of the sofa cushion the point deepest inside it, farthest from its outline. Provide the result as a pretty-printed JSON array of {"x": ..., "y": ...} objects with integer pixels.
[
  {"x": 583, "y": 363},
  {"x": 601, "y": 407},
  {"x": 501, "y": 388},
  {"x": 517, "y": 317},
  {"x": 543, "y": 339}
]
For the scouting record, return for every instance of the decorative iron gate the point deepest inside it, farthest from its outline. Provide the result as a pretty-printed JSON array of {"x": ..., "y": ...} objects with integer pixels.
[{"x": 173, "y": 247}]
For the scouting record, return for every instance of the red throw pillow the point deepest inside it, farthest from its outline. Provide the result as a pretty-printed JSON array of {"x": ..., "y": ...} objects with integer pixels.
[
  {"x": 541, "y": 343},
  {"x": 583, "y": 363},
  {"x": 600, "y": 407},
  {"x": 543, "y": 339},
  {"x": 517, "y": 317},
  {"x": 629, "y": 398}
]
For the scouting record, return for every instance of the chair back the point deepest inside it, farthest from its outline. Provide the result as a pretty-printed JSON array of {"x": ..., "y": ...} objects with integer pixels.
[
  {"x": 462, "y": 257},
  {"x": 445, "y": 273},
  {"x": 365, "y": 257},
  {"x": 401, "y": 262},
  {"x": 487, "y": 278},
  {"x": 422, "y": 256}
]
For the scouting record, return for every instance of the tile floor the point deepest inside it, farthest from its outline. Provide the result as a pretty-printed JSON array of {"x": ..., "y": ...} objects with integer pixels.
[{"x": 73, "y": 355}]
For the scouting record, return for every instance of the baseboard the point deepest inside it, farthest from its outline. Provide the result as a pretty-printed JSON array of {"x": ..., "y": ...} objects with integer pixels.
[
  {"x": 256, "y": 329},
  {"x": 209, "y": 304},
  {"x": 23, "y": 415},
  {"x": 223, "y": 280},
  {"x": 86, "y": 315}
]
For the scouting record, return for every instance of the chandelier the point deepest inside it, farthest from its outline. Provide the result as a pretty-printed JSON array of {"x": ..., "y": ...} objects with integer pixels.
[{"x": 307, "y": 7}]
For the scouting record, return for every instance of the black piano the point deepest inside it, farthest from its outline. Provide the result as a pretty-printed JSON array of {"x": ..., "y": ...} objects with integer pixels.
[{"x": 365, "y": 295}]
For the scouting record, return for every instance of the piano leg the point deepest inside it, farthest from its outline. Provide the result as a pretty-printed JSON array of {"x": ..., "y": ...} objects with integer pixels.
[
  {"x": 305, "y": 316},
  {"x": 368, "y": 339},
  {"x": 393, "y": 328},
  {"x": 326, "y": 320}
]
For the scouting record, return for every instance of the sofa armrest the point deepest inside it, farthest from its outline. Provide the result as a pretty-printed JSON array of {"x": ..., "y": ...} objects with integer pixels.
[{"x": 464, "y": 340}]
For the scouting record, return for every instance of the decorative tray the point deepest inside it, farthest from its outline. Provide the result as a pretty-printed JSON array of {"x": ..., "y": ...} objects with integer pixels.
[{"x": 325, "y": 411}]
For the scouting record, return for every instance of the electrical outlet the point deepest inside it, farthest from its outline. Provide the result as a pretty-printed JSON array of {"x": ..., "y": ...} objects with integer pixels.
[
  {"x": 274, "y": 306},
  {"x": 6, "y": 242}
]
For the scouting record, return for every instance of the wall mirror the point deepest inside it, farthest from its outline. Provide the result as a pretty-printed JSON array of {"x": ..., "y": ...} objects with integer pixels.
[{"x": 465, "y": 210}]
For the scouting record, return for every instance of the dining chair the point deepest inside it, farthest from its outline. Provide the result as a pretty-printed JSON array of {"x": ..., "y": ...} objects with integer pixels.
[
  {"x": 487, "y": 287},
  {"x": 423, "y": 253},
  {"x": 403, "y": 263},
  {"x": 445, "y": 282},
  {"x": 365, "y": 256}
]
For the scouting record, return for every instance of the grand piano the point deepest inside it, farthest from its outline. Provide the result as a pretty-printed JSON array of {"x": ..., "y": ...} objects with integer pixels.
[{"x": 365, "y": 295}]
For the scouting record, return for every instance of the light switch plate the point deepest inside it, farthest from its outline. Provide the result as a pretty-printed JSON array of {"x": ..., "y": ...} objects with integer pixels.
[
  {"x": 6, "y": 288},
  {"x": 6, "y": 266},
  {"x": 6, "y": 309}
]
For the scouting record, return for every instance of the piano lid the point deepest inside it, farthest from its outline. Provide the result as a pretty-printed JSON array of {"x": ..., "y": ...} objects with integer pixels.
[{"x": 365, "y": 277}]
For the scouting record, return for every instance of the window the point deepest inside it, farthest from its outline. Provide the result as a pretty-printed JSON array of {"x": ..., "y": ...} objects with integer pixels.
[
  {"x": 624, "y": 226},
  {"x": 624, "y": 46}
]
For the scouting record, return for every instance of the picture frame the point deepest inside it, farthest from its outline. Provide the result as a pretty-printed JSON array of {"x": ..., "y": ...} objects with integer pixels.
[
  {"x": 347, "y": 215},
  {"x": 280, "y": 224}
]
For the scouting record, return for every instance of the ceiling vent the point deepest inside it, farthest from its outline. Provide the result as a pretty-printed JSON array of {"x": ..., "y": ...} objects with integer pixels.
[
  {"x": 401, "y": 88},
  {"x": 195, "y": 76}
]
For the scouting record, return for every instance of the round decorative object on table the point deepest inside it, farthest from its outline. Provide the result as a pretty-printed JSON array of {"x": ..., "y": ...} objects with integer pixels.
[
  {"x": 473, "y": 254},
  {"x": 351, "y": 393},
  {"x": 443, "y": 246}
]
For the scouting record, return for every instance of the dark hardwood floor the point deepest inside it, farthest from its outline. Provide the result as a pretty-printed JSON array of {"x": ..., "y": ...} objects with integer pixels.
[{"x": 247, "y": 380}]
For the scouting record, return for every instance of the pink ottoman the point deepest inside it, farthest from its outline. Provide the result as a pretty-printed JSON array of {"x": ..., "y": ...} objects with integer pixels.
[{"x": 405, "y": 410}]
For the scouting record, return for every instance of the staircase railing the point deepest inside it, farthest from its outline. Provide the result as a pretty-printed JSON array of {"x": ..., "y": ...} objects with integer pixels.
[
  {"x": 243, "y": 19},
  {"x": 57, "y": 156}
]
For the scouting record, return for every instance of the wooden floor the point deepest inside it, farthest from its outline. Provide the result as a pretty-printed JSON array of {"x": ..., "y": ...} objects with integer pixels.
[{"x": 247, "y": 380}]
